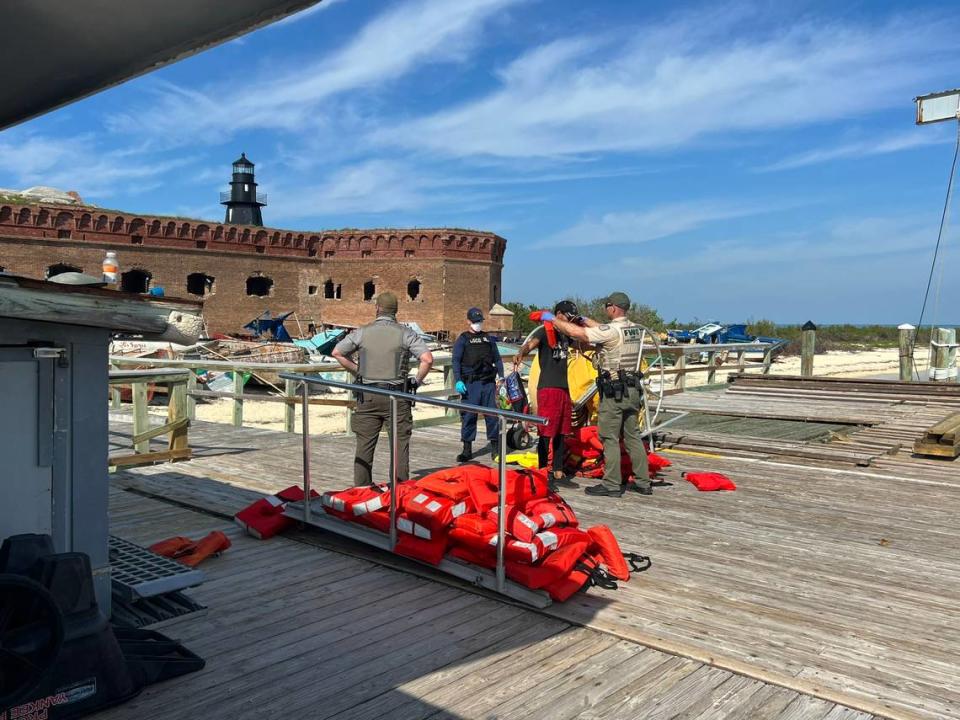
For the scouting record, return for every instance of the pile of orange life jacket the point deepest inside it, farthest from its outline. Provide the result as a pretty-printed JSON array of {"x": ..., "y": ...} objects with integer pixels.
[
  {"x": 584, "y": 456},
  {"x": 454, "y": 512}
]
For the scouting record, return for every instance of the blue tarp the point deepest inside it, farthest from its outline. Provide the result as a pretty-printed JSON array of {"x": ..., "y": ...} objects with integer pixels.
[{"x": 272, "y": 325}]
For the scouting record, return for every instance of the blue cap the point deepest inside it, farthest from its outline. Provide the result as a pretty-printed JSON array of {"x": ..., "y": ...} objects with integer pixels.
[{"x": 474, "y": 314}]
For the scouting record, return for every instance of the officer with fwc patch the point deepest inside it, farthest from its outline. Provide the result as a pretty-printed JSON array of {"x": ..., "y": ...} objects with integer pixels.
[
  {"x": 620, "y": 384},
  {"x": 385, "y": 348},
  {"x": 476, "y": 366}
]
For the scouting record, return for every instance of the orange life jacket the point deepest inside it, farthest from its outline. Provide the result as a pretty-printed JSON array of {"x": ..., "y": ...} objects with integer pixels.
[
  {"x": 350, "y": 503},
  {"x": 552, "y": 511},
  {"x": 518, "y": 524},
  {"x": 608, "y": 547},
  {"x": 434, "y": 511},
  {"x": 553, "y": 567},
  {"x": 586, "y": 572},
  {"x": 264, "y": 518},
  {"x": 419, "y": 542},
  {"x": 709, "y": 481},
  {"x": 560, "y": 537},
  {"x": 479, "y": 534}
]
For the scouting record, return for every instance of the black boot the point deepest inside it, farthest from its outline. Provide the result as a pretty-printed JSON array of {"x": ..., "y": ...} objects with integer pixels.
[{"x": 467, "y": 452}]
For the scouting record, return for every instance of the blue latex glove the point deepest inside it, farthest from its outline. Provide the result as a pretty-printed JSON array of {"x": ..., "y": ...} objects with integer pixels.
[
  {"x": 461, "y": 387},
  {"x": 547, "y": 316}
]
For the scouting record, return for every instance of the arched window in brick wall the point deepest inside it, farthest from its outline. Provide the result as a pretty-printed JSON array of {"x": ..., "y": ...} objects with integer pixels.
[
  {"x": 135, "y": 281},
  {"x": 413, "y": 289},
  {"x": 155, "y": 227},
  {"x": 63, "y": 219},
  {"x": 169, "y": 229},
  {"x": 54, "y": 270},
  {"x": 369, "y": 291},
  {"x": 6, "y": 212},
  {"x": 43, "y": 217},
  {"x": 117, "y": 224},
  {"x": 85, "y": 221},
  {"x": 259, "y": 286},
  {"x": 102, "y": 222},
  {"x": 23, "y": 217},
  {"x": 200, "y": 284}
]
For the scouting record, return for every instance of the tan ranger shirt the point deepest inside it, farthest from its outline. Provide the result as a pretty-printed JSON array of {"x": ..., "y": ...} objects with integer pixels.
[{"x": 610, "y": 338}]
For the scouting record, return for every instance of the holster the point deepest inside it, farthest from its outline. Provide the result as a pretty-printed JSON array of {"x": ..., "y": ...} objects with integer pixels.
[
  {"x": 410, "y": 386},
  {"x": 358, "y": 394}
]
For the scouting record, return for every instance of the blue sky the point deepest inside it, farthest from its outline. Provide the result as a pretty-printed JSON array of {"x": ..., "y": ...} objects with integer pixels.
[{"x": 714, "y": 160}]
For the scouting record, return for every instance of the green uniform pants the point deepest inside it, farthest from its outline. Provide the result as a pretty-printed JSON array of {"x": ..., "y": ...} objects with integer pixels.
[
  {"x": 368, "y": 419},
  {"x": 621, "y": 419}
]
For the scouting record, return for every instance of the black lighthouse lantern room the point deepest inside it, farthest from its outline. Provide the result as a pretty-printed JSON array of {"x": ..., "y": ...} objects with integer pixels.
[{"x": 242, "y": 201}]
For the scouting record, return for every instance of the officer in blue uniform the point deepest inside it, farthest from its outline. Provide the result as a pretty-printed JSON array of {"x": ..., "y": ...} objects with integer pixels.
[{"x": 476, "y": 367}]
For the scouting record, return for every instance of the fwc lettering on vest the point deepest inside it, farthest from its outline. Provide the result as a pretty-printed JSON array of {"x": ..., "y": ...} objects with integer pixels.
[{"x": 35, "y": 709}]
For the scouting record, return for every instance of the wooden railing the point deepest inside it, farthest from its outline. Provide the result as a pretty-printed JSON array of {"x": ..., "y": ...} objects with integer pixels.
[
  {"x": 718, "y": 358},
  {"x": 178, "y": 444}
]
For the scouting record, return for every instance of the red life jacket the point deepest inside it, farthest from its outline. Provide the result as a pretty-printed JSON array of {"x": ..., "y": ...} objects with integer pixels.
[
  {"x": 656, "y": 463},
  {"x": 450, "y": 483},
  {"x": 434, "y": 511},
  {"x": 552, "y": 512},
  {"x": 350, "y": 503},
  {"x": 518, "y": 524},
  {"x": 419, "y": 542},
  {"x": 560, "y": 537},
  {"x": 479, "y": 534},
  {"x": 586, "y": 572},
  {"x": 553, "y": 567},
  {"x": 709, "y": 481},
  {"x": 264, "y": 518},
  {"x": 526, "y": 485},
  {"x": 474, "y": 557},
  {"x": 186, "y": 551},
  {"x": 606, "y": 544}
]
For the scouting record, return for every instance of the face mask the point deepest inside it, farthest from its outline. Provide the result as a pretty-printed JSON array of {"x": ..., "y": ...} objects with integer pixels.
[{"x": 476, "y": 327}]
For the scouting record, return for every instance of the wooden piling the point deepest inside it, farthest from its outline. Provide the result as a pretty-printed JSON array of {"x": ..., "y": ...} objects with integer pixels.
[
  {"x": 289, "y": 410},
  {"x": 237, "y": 398},
  {"x": 906, "y": 351},
  {"x": 944, "y": 366},
  {"x": 808, "y": 344}
]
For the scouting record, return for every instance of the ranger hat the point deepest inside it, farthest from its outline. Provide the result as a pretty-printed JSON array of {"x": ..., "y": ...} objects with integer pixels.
[
  {"x": 619, "y": 299},
  {"x": 474, "y": 314},
  {"x": 387, "y": 301}
]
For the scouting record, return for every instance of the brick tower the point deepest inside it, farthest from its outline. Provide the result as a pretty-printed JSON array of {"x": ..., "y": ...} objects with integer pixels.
[{"x": 243, "y": 204}]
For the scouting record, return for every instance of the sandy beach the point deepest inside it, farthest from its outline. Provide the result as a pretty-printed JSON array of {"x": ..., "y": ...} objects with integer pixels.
[{"x": 269, "y": 415}]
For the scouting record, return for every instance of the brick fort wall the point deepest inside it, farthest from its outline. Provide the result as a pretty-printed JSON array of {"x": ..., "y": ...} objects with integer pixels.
[{"x": 326, "y": 277}]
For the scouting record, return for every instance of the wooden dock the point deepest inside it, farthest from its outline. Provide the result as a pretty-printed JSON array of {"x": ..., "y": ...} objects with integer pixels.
[{"x": 829, "y": 580}]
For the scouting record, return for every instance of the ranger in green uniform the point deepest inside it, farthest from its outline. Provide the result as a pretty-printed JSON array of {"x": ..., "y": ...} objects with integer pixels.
[
  {"x": 621, "y": 394},
  {"x": 384, "y": 347}
]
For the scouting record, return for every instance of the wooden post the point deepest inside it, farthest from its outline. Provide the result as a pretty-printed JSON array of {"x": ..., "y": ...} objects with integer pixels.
[
  {"x": 741, "y": 361},
  {"x": 237, "y": 398},
  {"x": 114, "y": 397},
  {"x": 712, "y": 364},
  {"x": 177, "y": 410},
  {"x": 141, "y": 421},
  {"x": 767, "y": 360},
  {"x": 808, "y": 344},
  {"x": 289, "y": 410},
  {"x": 906, "y": 351},
  {"x": 944, "y": 355},
  {"x": 191, "y": 401},
  {"x": 680, "y": 381}
]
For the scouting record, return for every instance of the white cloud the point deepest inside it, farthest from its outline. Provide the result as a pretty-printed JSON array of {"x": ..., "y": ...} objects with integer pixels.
[
  {"x": 918, "y": 137},
  {"x": 677, "y": 83},
  {"x": 634, "y": 227},
  {"x": 833, "y": 244},
  {"x": 395, "y": 42},
  {"x": 79, "y": 163}
]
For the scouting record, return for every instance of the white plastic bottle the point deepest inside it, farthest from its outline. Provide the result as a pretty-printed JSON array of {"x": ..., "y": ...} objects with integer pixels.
[{"x": 111, "y": 268}]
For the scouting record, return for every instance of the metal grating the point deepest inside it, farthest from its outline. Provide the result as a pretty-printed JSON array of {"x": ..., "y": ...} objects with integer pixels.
[{"x": 138, "y": 573}]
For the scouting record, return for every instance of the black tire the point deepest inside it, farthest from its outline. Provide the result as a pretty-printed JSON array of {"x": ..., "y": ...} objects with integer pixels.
[{"x": 31, "y": 634}]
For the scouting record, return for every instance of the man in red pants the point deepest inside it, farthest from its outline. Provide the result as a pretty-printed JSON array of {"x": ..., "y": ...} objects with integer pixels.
[{"x": 553, "y": 392}]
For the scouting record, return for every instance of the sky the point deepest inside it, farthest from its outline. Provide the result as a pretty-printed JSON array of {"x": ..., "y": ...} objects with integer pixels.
[{"x": 715, "y": 160}]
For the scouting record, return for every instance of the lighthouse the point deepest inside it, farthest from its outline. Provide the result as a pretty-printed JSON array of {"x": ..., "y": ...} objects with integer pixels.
[{"x": 243, "y": 203}]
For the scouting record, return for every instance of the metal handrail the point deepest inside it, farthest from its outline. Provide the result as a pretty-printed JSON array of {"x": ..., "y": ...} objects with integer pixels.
[{"x": 395, "y": 395}]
